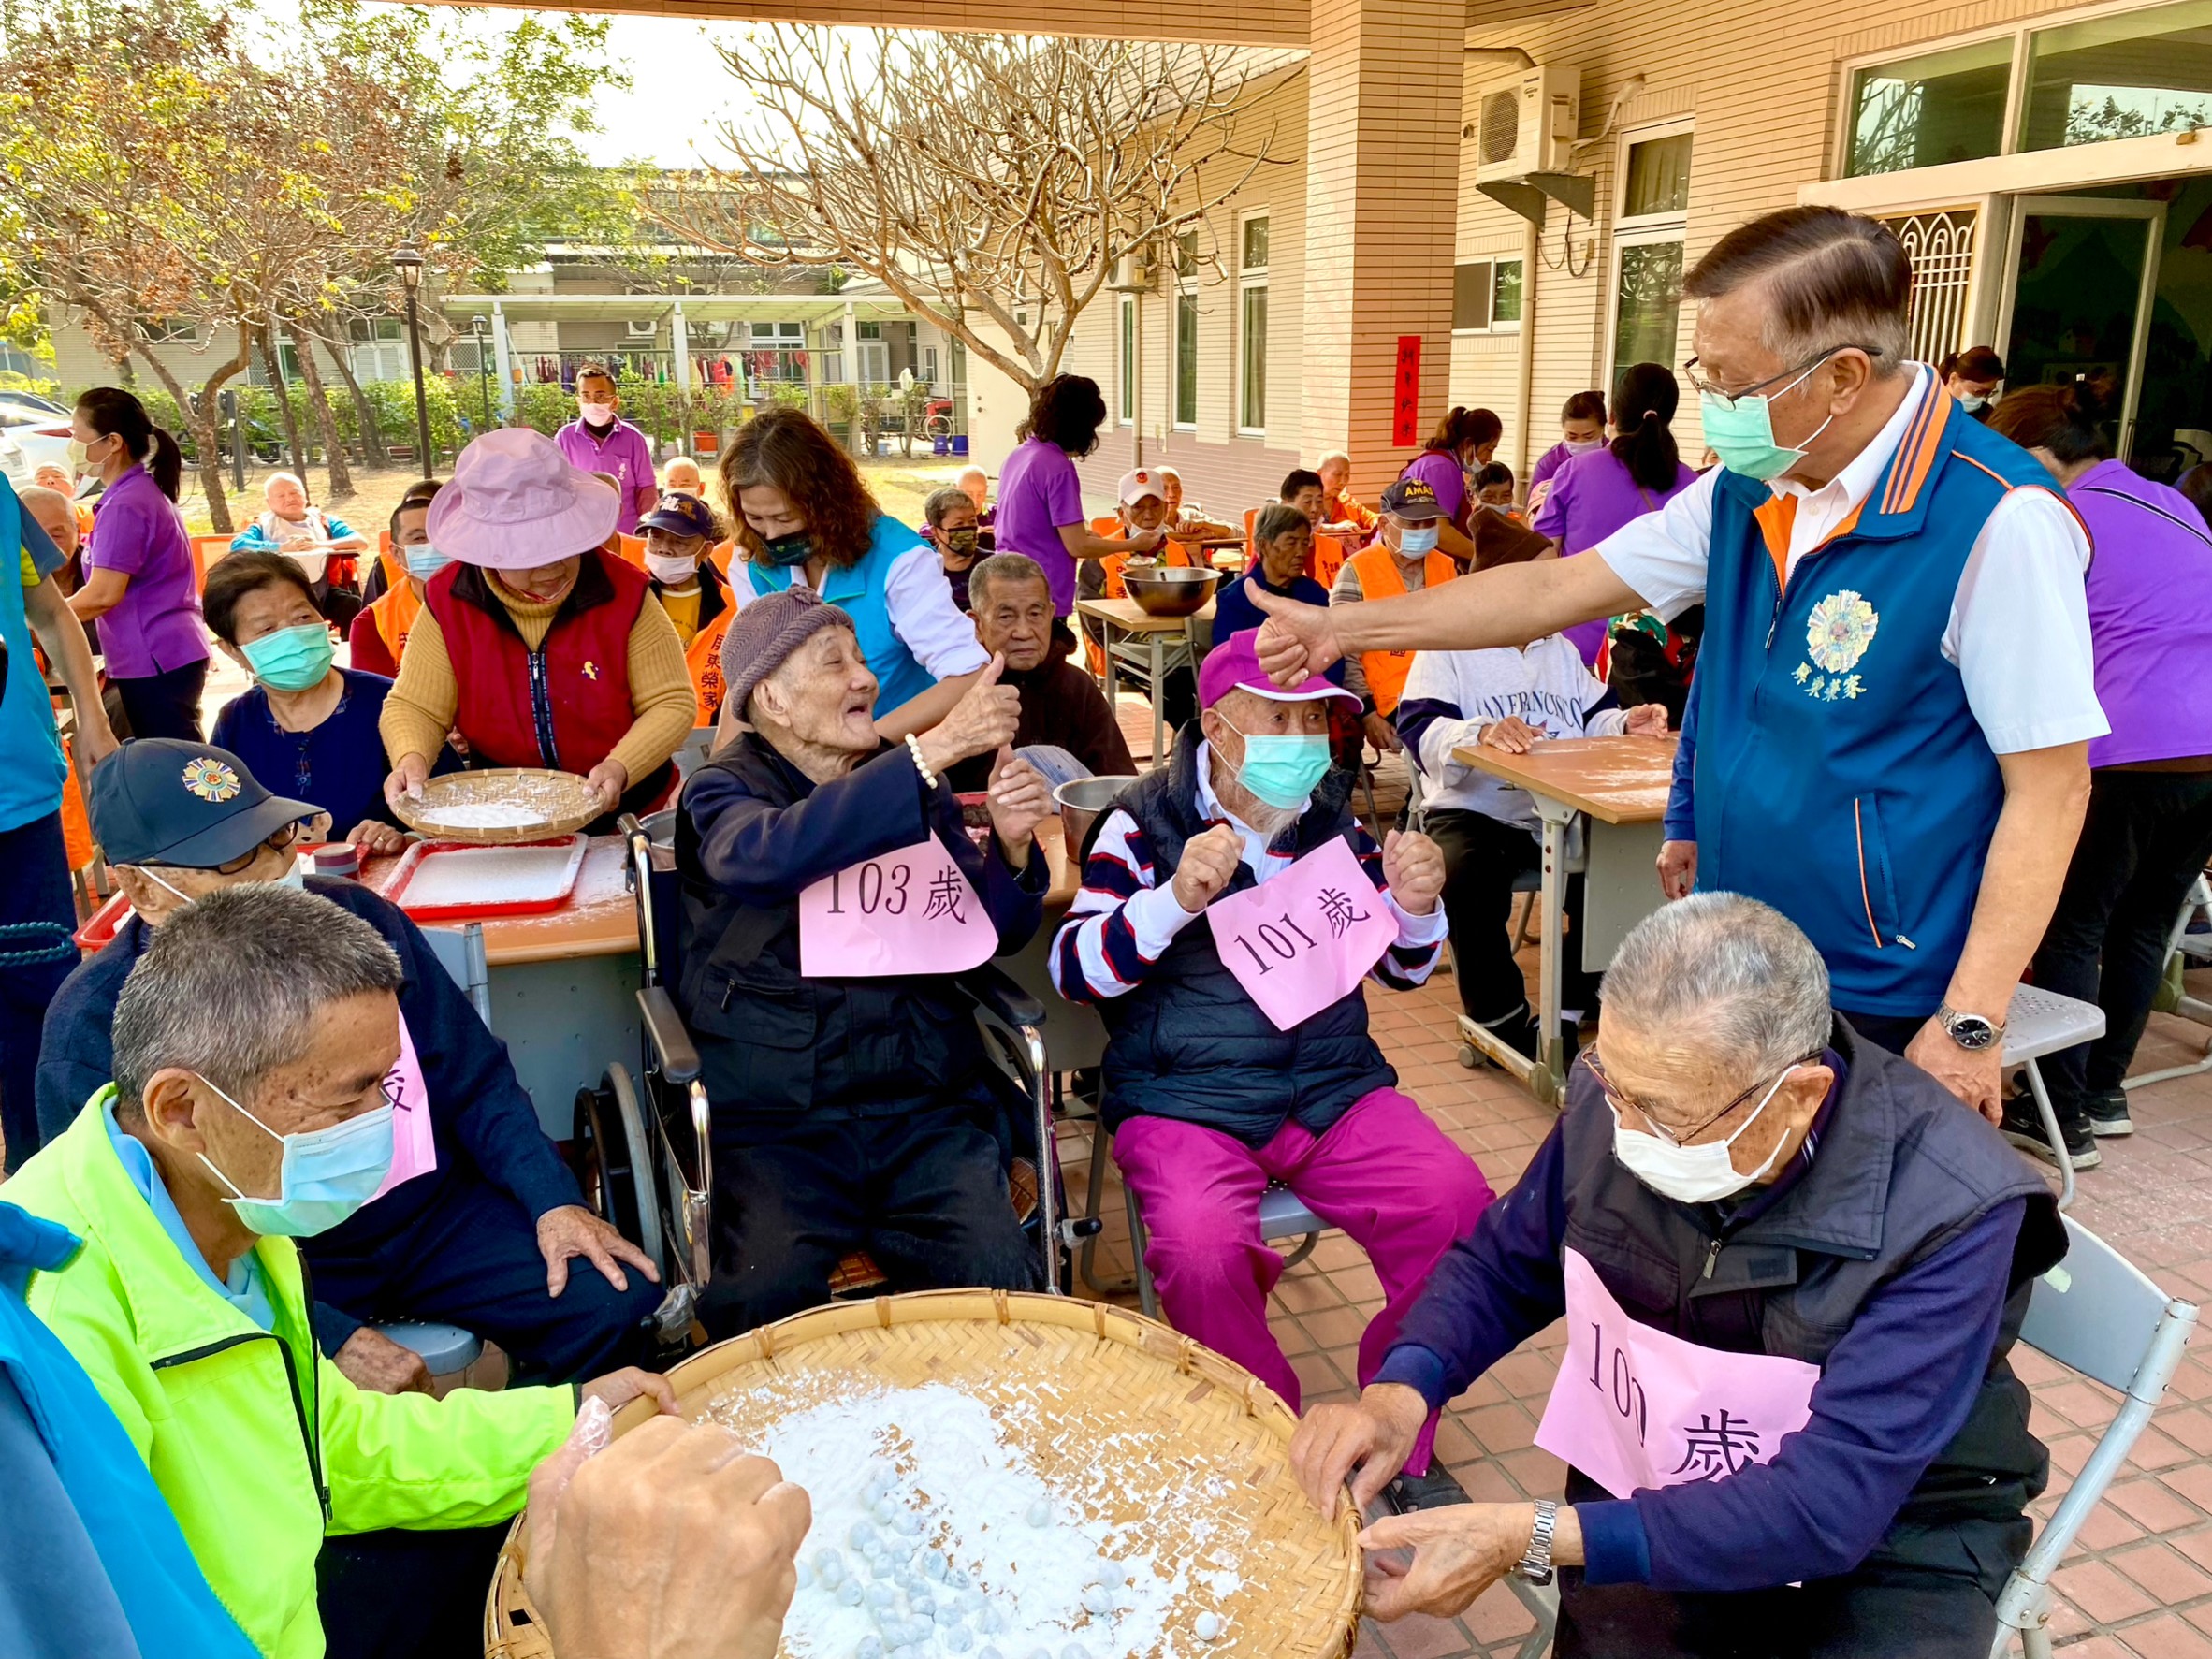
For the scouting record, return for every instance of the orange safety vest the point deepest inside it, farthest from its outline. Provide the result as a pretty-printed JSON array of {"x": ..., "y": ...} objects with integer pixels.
[
  {"x": 1379, "y": 579},
  {"x": 395, "y": 611},
  {"x": 705, "y": 661}
]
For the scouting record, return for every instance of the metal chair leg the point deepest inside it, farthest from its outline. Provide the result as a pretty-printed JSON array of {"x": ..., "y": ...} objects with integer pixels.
[
  {"x": 2051, "y": 1133},
  {"x": 1528, "y": 912},
  {"x": 1101, "y": 1149},
  {"x": 1147, "y": 1299},
  {"x": 1543, "y": 1601}
]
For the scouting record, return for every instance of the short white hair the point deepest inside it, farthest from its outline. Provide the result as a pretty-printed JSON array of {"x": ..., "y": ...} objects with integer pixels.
[
  {"x": 1169, "y": 473},
  {"x": 1724, "y": 974},
  {"x": 968, "y": 473},
  {"x": 1334, "y": 457},
  {"x": 275, "y": 479}
]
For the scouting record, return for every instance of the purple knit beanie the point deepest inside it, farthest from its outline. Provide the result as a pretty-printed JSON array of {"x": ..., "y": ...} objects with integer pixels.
[{"x": 766, "y": 633}]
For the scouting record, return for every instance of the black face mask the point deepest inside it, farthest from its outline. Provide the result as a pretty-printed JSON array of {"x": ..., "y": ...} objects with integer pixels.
[
  {"x": 795, "y": 549},
  {"x": 960, "y": 543}
]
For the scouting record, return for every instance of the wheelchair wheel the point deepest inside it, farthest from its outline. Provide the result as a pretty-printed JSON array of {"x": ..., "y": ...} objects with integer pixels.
[{"x": 618, "y": 1150}]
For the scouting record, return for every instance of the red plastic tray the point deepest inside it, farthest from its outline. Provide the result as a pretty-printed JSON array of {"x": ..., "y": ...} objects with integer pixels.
[
  {"x": 98, "y": 933},
  {"x": 552, "y": 898}
]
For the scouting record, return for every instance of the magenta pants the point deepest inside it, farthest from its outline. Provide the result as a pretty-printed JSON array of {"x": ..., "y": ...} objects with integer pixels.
[{"x": 1383, "y": 1173}]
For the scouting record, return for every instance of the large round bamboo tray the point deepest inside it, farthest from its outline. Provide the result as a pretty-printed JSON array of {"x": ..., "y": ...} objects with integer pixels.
[
  {"x": 565, "y": 801},
  {"x": 1068, "y": 1379}
]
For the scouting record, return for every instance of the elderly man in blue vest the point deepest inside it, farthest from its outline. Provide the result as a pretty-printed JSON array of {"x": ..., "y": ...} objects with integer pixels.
[
  {"x": 1791, "y": 1272},
  {"x": 1893, "y": 695}
]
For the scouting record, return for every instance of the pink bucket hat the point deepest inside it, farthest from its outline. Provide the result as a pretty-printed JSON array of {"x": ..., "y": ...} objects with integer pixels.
[{"x": 514, "y": 502}]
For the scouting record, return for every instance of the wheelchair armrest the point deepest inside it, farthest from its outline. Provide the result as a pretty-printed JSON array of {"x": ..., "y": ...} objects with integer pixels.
[
  {"x": 997, "y": 991},
  {"x": 664, "y": 1029}
]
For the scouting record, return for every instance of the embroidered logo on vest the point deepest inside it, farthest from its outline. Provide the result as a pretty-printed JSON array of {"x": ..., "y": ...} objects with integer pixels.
[
  {"x": 1837, "y": 636},
  {"x": 590, "y": 669}
]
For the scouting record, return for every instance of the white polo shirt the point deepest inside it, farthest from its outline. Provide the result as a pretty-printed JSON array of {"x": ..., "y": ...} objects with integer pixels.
[{"x": 2018, "y": 631}]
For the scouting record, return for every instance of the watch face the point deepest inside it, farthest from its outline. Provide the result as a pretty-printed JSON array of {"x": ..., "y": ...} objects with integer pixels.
[{"x": 1971, "y": 1031}]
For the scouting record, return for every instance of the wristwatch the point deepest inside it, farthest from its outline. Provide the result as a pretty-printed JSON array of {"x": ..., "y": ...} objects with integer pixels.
[
  {"x": 1969, "y": 1030},
  {"x": 1535, "y": 1563}
]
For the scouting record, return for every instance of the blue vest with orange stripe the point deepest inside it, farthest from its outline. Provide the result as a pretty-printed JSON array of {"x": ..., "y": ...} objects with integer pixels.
[{"x": 1840, "y": 775}]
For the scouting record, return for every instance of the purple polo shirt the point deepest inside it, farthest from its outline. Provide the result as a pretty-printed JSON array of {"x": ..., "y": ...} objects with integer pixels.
[
  {"x": 1591, "y": 496},
  {"x": 1441, "y": 471},
  {"x": 137, "y": 532},
  {"x": 2150, "y": 612},
  {"x": 625, "y": 451},
  {"x": 1038, "y": 492}
]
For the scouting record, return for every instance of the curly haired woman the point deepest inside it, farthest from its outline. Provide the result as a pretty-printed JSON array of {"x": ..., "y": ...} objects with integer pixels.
[{"x": 806, "y": 516}]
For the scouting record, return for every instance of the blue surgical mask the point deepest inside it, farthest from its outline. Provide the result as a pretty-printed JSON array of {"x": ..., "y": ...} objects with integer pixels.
[
  {"x": 291, "y": 659},
  {"x": 1418, "y": 539},
  {"x": 793, "y": 550},
  {"x": 1974, "y": 402},
  {"x": 1283, "y": 769},
  {"x": 325, "y": 1176},
  {"x": 1741, "y": 432},
  {"x": 425, "y": 562}
]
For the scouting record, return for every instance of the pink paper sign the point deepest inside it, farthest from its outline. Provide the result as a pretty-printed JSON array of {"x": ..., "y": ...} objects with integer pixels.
[
  {"x": 414, "y": 1151},
  {"x": 1633, "y": 1407},
  {"x": 1307, "y": 937},
  {"x": 908, "y": 911}
]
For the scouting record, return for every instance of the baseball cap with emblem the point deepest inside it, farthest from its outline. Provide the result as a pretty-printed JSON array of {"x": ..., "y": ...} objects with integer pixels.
[
  {"x": 161, "y": 800},
  {"x": 1413, "y": 499},
  {"x": 1140, "y": 484}
]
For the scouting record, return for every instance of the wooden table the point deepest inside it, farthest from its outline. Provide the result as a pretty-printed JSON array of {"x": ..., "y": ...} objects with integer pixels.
[
  {"x": 1618, "y": 787},
  {"x": 1150, "y": 659}
]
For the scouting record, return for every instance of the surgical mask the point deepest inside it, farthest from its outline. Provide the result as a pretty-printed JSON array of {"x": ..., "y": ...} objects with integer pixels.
[
  {"x": 1690, "y": 1174},
  {"x": 795, "y": 549},
  {"x": 425, "y": 562},
  {"x": 1282, "y": 769},
  {"x": 326, "y": 1174},
  {"x": 958, "y": 541},
  {"x": 1582, "y": 446},
  {"x": 673, "y": 570},
  {"x": 291, "y": 659},
  {"x": 597, "y": 414},
  {"x": 1418, "y": 539},
  {"x": 1973, "y": 402},
  {"x": 294, "y": 878},
  {"x": 79, "y": 457},
  {"x": 1741, "y": 432}
]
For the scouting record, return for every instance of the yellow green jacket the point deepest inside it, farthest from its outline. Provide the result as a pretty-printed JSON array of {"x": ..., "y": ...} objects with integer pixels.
[{"x": 260, "y": 1445}]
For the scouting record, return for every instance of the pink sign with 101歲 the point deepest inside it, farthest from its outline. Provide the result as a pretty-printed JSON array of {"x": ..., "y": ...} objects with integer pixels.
[
  {"x": 1306, "y": 938},
  {"x": 1636, "y": 1408},
  {"x": 414, "y": 1151},
  {"x": 908, "y": 912}
]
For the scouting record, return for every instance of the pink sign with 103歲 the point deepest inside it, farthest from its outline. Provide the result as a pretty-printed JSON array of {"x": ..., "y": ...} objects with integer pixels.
[
  {"x": 908, "y": 912},
  {"x": 1636, "y": 1408},
  {"x": 414, "y": 1151},
  {"x": 1306, "y": 938}
]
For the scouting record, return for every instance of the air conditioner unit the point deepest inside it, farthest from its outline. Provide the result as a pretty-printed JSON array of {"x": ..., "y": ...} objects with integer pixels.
[
  {"x": 1132, "y": 272},
  {"x": 641, "y": 330},
  {"x": 1526, "y": 125}
]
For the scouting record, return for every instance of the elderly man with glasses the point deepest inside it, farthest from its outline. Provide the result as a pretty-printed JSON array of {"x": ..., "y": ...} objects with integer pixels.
[
  {"x": 1888, "y": 735},
  {"x": 261, "y": 1050},
  {"x": 1791, "y": 1270},
  {"x": 482, "y": 1230}
]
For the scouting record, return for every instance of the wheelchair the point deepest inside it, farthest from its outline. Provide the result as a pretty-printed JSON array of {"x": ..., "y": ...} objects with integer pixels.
[{"x": 643, "y": 1139}]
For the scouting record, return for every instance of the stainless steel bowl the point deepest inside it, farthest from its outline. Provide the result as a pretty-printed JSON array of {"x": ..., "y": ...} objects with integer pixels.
[
  {"x": 1168, "y": 589},
  {"x": 1080, "y": 802}
]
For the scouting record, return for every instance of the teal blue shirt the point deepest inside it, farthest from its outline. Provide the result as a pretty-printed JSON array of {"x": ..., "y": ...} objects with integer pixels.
[{"x": 245, "y": 1290}]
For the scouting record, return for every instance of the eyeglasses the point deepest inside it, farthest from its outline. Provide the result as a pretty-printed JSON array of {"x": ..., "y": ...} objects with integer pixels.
[
  {"x": 1589, "y": 1058},
  {"x": 1706, "y": 389},
  {"x": 245, "y": 861}
]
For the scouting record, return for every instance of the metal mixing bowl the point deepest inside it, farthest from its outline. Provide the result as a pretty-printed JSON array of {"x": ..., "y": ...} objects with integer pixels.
[
  {"x": 1080, "y": 802},
  {"x": 1168, "y": 590}
]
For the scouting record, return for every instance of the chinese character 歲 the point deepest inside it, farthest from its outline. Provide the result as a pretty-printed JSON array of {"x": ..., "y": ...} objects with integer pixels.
[
  {"x": 1336, "y": 909},
  {"x": 945, "y": 893},
  {"x": 1714, "y": 1449}
]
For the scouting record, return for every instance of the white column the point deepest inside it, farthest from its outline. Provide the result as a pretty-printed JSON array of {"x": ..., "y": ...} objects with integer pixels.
[
  {"x": 681, "y": 340},
  {"x": 502, "y": 355},
  {"x": 851, "y": 347}
]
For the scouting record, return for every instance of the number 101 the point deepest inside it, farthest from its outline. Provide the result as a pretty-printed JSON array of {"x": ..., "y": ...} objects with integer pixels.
[{"x": 1276, "y": 940}]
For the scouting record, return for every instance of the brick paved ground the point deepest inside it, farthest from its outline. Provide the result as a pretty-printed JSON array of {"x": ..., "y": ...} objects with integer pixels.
[{"x": 2140, "y": 1581}]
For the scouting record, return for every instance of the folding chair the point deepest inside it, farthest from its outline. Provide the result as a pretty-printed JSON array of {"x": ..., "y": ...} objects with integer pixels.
[
  {"x": 447, "y": 1350},
  {"x": 1281, "y": 1217},
  {"x": 2198, "y": 903},
  {"x": 2098, "y": 1314},
  {"x": 2042, "y": 1023}
]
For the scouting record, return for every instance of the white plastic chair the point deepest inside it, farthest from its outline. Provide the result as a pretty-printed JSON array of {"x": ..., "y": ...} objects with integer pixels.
[
  {"x": 2199, "y": 902},
  {"x": 2042, "y": 1023},
  {"x": 447, "y": 1350},
  {"x": 2097, "y": 1313}
]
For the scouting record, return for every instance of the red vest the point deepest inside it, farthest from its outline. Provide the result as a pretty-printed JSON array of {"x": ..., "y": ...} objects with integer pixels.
[{"x": 567, "y": 703}]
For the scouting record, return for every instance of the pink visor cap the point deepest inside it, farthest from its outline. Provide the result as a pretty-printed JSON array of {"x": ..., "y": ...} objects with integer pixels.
[
  {"x": 514, "y": 502},
  {"x": 1234, "y": 666}
]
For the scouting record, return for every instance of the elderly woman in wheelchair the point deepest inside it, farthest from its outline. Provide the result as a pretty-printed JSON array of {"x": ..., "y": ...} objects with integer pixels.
[{"x": 830, "y": 893}]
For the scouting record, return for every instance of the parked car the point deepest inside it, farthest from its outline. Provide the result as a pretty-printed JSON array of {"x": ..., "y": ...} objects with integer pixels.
[{"x": 33, "y": 433}]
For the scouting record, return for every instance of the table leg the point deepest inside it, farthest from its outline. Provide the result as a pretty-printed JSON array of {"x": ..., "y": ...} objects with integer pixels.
[
  {"x": 1112, "y": 690},
  {"x": 1550, "y": 1075},
  {"x": 1160, "y": 686}
]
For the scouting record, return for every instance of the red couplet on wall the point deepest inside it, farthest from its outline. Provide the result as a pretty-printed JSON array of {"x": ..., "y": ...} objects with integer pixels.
[{"x": 1405, "y": 399}]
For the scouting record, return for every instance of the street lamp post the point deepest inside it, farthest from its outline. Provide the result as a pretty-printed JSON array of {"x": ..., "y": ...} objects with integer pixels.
[{"x": 407, "y": 260}]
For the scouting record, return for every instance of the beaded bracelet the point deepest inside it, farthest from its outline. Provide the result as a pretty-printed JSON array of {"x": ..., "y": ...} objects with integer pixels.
[{"x": 920, "y": 766}]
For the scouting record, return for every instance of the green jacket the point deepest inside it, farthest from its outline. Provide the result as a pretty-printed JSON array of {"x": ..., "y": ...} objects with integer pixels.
[{"x": 260, "y": 1445}]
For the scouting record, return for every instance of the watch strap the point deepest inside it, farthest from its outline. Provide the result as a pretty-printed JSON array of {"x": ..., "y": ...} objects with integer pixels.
[{"x": 1535, "y": 1563}]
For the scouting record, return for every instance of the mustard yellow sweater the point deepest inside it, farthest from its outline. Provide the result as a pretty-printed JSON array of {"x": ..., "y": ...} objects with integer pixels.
[{"x": 419, "y": 710}]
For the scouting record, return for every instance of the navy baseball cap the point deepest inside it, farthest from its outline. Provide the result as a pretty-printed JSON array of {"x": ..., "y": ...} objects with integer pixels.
[
  {"x": 161, "y": 800},
  {"x": 1413, "y": 499},
  {"x": 682, "y": 515}
]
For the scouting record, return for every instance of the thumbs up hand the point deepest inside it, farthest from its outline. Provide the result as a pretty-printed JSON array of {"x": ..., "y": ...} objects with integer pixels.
[{"x": 984, "y": 719}]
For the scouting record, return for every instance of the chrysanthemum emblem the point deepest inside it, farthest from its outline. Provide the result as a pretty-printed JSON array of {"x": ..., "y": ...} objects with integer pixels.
[
  {"x": 211, "y": 779},
  {"x": 1839, "y": 631}
]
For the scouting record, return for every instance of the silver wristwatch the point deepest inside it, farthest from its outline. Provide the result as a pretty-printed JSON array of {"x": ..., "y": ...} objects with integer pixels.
[
  {"x": 1536, "y": 1563},
  {"x": 1968, "y": 1031}
]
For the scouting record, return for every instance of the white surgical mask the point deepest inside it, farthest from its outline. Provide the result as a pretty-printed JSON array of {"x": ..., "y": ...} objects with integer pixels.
[
  {"x": 1418, "y": 539},
  {"x": 673, "y": 570},
  {"x": 1582, "y": 446},
  {"x": 1973, "y": 402},
  {"x": 598, "y": 414},
  {"x": 1690, "y": 1174}
]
